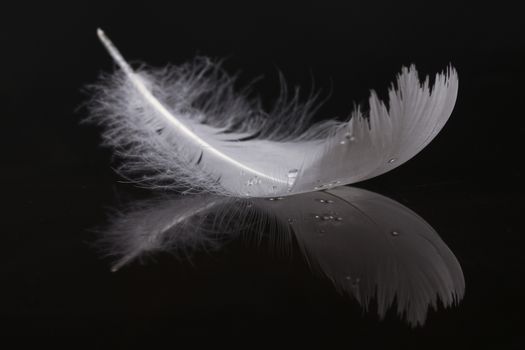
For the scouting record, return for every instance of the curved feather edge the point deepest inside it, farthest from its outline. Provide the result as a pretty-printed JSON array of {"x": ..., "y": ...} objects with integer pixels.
[{"x": 185, "y": 127}]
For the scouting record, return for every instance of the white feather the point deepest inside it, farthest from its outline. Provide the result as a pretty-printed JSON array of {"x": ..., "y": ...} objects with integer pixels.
[
  {"x": 370, "y": 246},
  {"x": 186, "y": 127}
]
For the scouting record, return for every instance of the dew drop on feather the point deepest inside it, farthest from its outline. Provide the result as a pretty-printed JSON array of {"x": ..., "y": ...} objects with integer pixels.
[{"x": 292, "y": 175}]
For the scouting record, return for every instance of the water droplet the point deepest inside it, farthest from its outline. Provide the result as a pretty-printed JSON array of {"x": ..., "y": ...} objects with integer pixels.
[
  {"x": 348, "y": 278},
  {"x": 395, "y": 233},
  {"x": 317, "y": 217},
  {"x": 349, "y": 137},
  {"x": 271, "y": 199},
  {"x": 342, "y": 142},
  {"x": 253, "y": 181},
  {"x": 392, "y": 160},
  {"x": 292, "y": 175},
  {"x": 326, "y": 217},
  {"x": 319, "y": 185},
  {"x": 332, "y": 183},
  {"x": 249, "y": 205},
  {"x": 327, "y": 201},
  {"x": 339, "y": 218},
  {"x": 321, "y": 200},
  {"x": 331, "y": 217}
]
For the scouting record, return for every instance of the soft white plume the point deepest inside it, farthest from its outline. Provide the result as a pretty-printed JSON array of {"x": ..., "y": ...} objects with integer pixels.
[{"x": 186, "y": 127}]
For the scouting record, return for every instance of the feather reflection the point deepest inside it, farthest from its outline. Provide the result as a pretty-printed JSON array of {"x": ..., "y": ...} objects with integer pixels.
[{"x": 369, "y": 246}]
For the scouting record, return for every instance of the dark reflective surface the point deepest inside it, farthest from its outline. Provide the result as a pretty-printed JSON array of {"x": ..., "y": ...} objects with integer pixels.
[
  {"x": 57, "y": 283},
  {"x": 58, "y": 183}
]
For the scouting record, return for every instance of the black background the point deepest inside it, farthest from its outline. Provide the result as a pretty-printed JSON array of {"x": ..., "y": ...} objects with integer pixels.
[{"x": 58, "y": 182}]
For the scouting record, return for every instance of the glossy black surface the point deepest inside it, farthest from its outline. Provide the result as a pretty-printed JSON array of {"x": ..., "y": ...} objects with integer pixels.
[{"x": 58, "y": 183}]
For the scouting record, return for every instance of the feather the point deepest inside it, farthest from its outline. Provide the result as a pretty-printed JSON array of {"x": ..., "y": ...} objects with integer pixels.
[
  {"x": 186, "y": 127},
  {"x": 369, "y": 246}
]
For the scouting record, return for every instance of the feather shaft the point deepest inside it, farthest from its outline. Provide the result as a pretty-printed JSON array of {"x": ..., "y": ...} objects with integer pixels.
[{"x": 163, "y": 111}]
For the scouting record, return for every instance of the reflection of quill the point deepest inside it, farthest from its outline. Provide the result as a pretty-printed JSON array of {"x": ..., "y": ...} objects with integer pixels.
[
  {"x": 186, "y": 127},
  {"x": 370, "y": 246}
]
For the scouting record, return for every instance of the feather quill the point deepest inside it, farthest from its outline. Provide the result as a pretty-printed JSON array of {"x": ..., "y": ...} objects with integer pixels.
[{"x": 186, "y": 127}]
